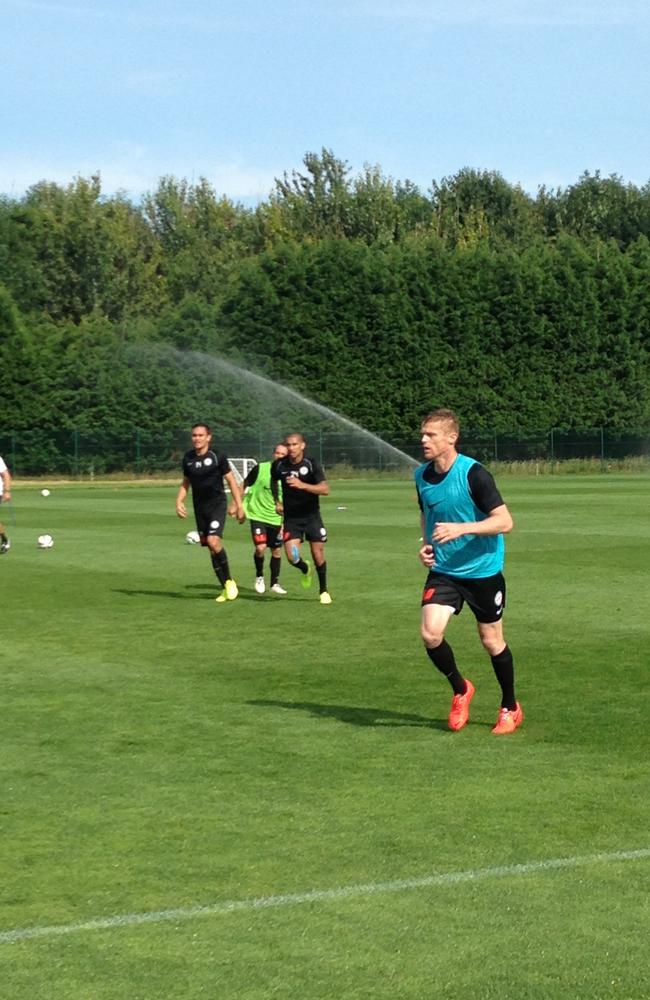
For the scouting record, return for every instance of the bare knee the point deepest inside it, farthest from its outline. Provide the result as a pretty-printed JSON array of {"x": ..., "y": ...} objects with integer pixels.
[
  {"x": 493, "y": 645},
  {"x": 433, "y": 623},
  {"x": 432, "y": 637}
]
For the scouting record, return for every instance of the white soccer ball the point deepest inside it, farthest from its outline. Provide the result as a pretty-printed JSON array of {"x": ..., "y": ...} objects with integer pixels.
[
  {"x": 45, "y": 541},
  {"x": 192, "y": 538},
  {"x": 45, "y": 493}
]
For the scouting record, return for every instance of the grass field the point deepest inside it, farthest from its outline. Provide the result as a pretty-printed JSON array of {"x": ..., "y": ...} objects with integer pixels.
[{"x": 261, "y": 799}]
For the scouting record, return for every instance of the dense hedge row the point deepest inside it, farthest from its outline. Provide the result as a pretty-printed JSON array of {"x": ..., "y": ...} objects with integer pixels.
[{"x": 367, "y": 295}]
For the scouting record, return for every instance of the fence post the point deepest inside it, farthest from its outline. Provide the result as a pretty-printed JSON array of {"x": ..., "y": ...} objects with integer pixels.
[
  {"x": 138, "y": 451},
  {"x": 496, "y": 449},
  {"x": 602, "y": 450},
  {"x": 320, "y": 446},
  {"x": 552, "y": 452},
  {"x": 75, "y": 446},
  {"x": 13, "y": 453}
]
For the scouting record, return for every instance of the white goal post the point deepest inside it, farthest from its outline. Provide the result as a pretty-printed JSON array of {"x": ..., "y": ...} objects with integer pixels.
[{"x": 241, "y": 467}]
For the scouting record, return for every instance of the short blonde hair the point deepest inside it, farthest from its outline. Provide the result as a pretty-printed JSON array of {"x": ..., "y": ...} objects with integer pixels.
[{"x": 442, "y": 416}]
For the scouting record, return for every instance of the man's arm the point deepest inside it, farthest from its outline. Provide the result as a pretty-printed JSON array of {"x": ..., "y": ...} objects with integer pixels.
[
  {"x": 6, "y": 483},
  {"x": 235, "y": 508},
  {"x": 498, "y": 522},
  {"x": 275, "y": 479},
  {"x": 251, "y": 478},
  {"x": 275, "y": 486},
  {"x": 320, "y": 489},
  {"x": 426, "y": 554},
  {"x": 488, "y": 499},
  {"x": 181, "y": 510}
]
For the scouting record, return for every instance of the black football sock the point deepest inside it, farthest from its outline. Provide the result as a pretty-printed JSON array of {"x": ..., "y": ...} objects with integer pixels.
[
  {"x": 443, "y": 658},
  {"x": 301, "y": 565},
  {"x": 322, "y": 577},
  {"x": 259, "y": 565},
  {"x": 505, "y": 674},
  {"x": 220, "y": 566},
  {"x": 276, "y": 563}
]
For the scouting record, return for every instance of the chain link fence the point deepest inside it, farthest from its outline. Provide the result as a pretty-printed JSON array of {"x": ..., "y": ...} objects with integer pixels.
[{"x": 81, "y": 454}]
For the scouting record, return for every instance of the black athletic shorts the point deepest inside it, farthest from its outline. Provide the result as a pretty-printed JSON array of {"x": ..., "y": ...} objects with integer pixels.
[
  {"x": 486, "y": 597},
  {"x": 266, "y": 534},
  {"x": 311, "y": 528},
  {"x": 211, "y": 518}
]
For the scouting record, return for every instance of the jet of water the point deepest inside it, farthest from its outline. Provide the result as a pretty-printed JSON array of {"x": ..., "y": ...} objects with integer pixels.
[{"x": 271, "y": 389}]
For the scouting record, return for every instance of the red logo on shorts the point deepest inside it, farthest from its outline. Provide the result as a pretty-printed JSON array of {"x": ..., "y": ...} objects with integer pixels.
[
  {"x": 286, "y": 535},
  {"x": 428, "y": 594}
]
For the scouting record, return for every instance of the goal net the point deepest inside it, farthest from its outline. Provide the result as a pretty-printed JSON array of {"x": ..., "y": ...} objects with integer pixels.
[{"x": 241, "y": 467}]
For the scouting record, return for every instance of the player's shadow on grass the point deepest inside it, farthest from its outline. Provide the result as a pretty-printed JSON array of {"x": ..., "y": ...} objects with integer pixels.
[
  {"x": 174, "y": 594},
  {"x": 203, "y": 591},
  {"x": 248, "y": 594},
  {"x": 245, "y": 594},
  {"x": 355, "y": 716}
]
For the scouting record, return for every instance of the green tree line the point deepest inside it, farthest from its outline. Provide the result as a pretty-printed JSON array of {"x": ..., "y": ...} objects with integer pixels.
[{"x": 369, "y": 295}]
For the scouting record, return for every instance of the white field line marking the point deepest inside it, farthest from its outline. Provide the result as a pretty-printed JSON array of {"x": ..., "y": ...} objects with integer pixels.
[{"x": 318, "y": 895}]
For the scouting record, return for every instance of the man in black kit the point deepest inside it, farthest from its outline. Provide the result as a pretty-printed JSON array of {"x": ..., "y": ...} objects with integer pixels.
[
  {"x": 302, "y": 482},
  {"x": 205, "y": 471}
]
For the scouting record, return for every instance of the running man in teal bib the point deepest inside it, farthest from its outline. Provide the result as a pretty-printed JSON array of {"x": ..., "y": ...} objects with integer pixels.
[{"x": 464, "y": 520}]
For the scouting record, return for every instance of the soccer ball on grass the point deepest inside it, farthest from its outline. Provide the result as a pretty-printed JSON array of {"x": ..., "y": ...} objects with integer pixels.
[
  {"x": 192, "y": 538},
  {"x": 45, "y": 541}
]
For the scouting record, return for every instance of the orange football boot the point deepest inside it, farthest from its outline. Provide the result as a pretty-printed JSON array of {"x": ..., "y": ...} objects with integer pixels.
[
  {"x": 508, "y": 720},
  {"x": 459, "y": 712}
]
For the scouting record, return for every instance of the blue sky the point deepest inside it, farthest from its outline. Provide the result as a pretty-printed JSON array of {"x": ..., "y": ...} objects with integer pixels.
[{"x": 238, "y": 92}]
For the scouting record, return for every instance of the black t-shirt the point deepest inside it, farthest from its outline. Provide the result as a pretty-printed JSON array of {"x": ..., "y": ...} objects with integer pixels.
[
  {"x": 297, "y": 503},
  {"x": 481, "y": 486},
  {"x": 205, "y": 474}
]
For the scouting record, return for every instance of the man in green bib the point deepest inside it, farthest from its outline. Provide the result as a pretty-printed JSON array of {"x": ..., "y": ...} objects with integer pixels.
[{"x": 265, "y": 522}]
